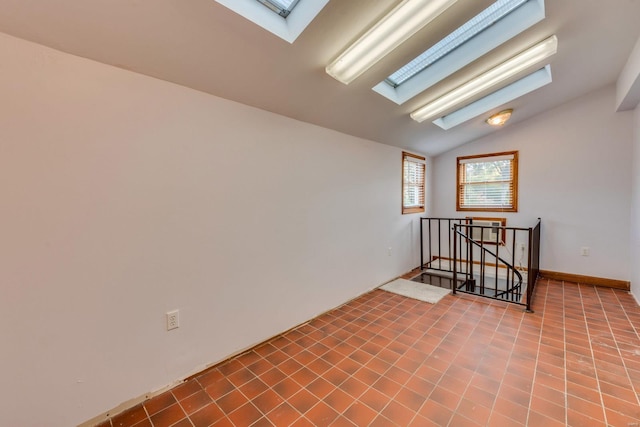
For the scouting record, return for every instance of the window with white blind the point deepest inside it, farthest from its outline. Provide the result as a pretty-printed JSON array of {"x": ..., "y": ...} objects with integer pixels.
[
  {"x": 413, "y": 171},
  {"x": 488, "y": 182}
]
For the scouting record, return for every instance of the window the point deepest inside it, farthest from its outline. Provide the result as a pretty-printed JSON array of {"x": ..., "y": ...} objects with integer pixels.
[
  {"x": 281, "y": 7},
  {"x": 472, "y": 28},
  {"x": 488, "y": 182},
  {"x": 412, "y": 183},
  {"x": 286, "y": 19}
]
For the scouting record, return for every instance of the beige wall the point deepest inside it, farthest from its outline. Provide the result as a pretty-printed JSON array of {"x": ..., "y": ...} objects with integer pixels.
[
  {"x": 628, "y": 95},
  {"x": 124, "y": 197},
  {"x": 635, "y": 209}
]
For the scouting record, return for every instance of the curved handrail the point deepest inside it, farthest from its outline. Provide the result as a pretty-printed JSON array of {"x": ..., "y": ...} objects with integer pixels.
[{"x": 482, "y": 247}]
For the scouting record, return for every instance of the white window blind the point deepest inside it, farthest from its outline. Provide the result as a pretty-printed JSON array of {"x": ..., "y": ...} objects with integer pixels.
[
  {"x": 413, "y": 183},
  {"x": 488, "y": 182}
]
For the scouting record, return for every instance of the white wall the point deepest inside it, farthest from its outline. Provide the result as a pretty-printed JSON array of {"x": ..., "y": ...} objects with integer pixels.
[
  {"x": 574, "y": 173},
  {"x": 635, "y": 209},
  {"x": 628, "y": 83},
  {"x": 124, "y": 197},
  {"x": 628, "y": 95}
]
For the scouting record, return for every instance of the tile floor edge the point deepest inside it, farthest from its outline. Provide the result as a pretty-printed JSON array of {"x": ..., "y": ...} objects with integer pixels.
[{"x": 128, "y": 404}]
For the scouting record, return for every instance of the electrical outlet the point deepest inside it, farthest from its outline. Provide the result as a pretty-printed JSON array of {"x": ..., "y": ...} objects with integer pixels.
[
  {"x": 584, "y": 251},
  {"x": 389, "y": 251},
  {"x": 173, "y": 320}
]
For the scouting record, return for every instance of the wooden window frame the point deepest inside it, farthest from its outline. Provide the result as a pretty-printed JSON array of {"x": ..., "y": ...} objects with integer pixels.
[
  {"x": 414, "y": 209},
  {"x": 514, "y": 184}
]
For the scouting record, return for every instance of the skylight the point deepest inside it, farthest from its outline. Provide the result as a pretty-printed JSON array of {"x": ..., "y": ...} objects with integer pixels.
[
  {"x": 281, "y": 7},
  {"x": 500, "y": 22},
  {"x": 470, "y": 29},
  {"x": 286, "y": 19}
]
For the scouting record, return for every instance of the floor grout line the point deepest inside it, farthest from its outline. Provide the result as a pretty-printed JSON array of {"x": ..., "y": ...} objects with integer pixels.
[
  {"x": 388, "y": 347},
  {"x": 626, "y": 369}
]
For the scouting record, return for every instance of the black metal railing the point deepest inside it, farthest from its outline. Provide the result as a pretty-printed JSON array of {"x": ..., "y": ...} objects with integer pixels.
[
  {"x": 534, "y": 260},
  {"x": 505, "y": 281},
  {"x": 489, "y": 267},
  {"x": 436, "y": 249}
]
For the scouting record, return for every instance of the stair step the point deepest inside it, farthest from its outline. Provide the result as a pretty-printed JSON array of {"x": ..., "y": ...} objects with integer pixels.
[
  {"x": 444, "y": 279},
  {"x": 434, "y": 280}
]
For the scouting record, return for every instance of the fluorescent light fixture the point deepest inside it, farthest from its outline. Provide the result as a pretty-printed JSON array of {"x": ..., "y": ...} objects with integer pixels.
[
  {"x": 286, "y": 25},
  {"x": 492, "y": 27},
  {"x": 519, "y": 88},
  {"x": 397, "y": 26},
  {"x": 499, "y": 119},
  {"x": 487, "y": 80}
]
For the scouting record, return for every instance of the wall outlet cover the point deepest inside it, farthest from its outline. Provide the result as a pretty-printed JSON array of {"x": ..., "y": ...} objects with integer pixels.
[{"x": 173, "y": 320}]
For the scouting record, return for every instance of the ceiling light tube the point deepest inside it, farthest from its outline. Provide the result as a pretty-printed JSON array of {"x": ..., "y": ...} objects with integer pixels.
[
  {"x": 488, "y": 79},
  {"x": 500, "y": 97},
  {"x": 397, "y": 26}
]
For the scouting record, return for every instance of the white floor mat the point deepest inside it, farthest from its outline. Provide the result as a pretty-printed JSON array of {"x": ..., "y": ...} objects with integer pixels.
[{"x": 415, "y": 290}]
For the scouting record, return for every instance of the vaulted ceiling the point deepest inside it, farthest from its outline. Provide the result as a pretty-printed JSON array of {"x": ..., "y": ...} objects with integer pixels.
[{"x": 205, "y": 46}]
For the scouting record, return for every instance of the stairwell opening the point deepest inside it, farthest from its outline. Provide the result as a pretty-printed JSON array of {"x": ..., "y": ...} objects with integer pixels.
[{"x": 480, "y": 258}]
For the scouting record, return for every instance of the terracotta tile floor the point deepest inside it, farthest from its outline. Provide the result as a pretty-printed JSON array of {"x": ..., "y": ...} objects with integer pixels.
[{"x": 386, "y": 360}]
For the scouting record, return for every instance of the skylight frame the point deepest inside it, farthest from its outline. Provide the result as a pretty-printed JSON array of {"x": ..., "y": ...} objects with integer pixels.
[
  {"x": 289, "y": 28},
  {"x": 510, "y": 25},
  {"x": 281, "y": 7},
  {"x": 492, "y": 14}
]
